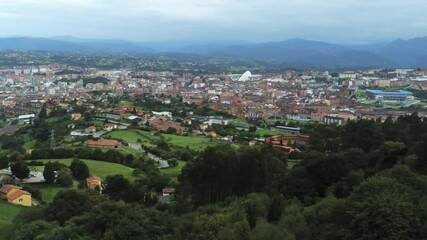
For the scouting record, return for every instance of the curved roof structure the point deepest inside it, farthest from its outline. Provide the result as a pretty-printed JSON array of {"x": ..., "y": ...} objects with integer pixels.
[{"x": 245, "y": 76}]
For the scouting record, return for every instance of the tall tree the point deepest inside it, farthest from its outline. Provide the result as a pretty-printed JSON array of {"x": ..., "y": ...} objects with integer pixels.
[
  {"x": 20, "y": 169},
  {"x": 48, "y": 173},
  {"x": 79, "y": 169},
  {"x": 43, "y": 112},
  {"x": 118, "y": 187},
  {"x": 4, "y": 162}
]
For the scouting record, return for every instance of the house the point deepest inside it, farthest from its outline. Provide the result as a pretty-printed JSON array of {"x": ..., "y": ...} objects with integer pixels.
[
  {"x": 252, "y": 143},
  {"x": 109, "y": 126},
  {"x": 133, "y": 117},
  {"x": 330, "y": 119},
  {"x": 15, "y": 195},
  {"x": 164, "y": 114},
  {"x": 76, "y": 116},
  {"x": 94, "y": 182},
  {"x": 168, "y": 191},
  {"x": 91, "y": 129},
  {"x": 78, "y": 133},
  {"x": 26, "y": 119},
  {"x": 104, "y": 143}
]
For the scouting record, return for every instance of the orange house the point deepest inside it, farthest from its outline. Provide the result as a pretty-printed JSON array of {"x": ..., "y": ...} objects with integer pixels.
[
  {"x": 15, "y": 195},
  {"x": 93, "y": 182}
]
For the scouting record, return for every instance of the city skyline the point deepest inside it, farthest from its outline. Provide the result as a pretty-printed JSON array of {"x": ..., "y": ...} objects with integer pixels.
[{"x": 355, "y": 21}]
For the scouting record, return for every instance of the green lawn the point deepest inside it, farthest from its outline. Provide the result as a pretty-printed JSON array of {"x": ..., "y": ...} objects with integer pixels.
[
  {"x": 48, "y": 191},
  {"x": 29, "y": 145},
  {"x": 129, "y": 150},
  {"x": 98, "y": 168},
  {"x": 29, "y": 141},
  {"x": 193, "y": 142},
  {"x": 239, "y": 123},
  {"x": 173, "y": 172},
  {"x": 271, "y": 132},
  {"x": 7, "y": 214},
  {"x": 131, "y": 136},
  {"x": 146, "y": 138}
]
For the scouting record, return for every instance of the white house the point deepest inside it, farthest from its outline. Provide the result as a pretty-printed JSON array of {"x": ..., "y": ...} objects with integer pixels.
[
  {"x": 165, "y": 114},
  {"x": 26, "y": 119}
]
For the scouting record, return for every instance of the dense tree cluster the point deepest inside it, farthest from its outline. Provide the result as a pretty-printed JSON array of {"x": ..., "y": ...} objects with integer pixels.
[
  {"x": 365, "y": 180},
  {"x": 223, "y": 171}
]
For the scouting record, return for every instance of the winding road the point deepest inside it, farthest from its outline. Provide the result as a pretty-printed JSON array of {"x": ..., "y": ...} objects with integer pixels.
[{"x": 162, "y": 163}]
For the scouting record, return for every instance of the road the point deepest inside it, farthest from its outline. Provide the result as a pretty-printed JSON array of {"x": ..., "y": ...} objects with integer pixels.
[{"x": 162, "y": 163}]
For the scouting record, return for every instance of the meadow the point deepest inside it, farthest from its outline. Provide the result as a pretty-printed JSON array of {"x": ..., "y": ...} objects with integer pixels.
[
  {"x": 7, "y": 214},
  {"x": 99, "y": 168},
  {"x": 148, "y": 139}
]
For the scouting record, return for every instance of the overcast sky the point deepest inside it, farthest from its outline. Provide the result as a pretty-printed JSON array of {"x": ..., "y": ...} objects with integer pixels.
[{"x": 341, "y": 21}]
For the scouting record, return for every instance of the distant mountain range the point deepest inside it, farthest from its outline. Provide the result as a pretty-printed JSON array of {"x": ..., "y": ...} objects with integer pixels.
[{"x": 399, "y": 53}]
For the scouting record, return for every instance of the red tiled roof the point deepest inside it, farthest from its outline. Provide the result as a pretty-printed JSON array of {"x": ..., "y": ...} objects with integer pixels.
[
  {"x": 103, "y": 142},
  {"x": 17, "y": 194},
  {"x": 168, "y": 190},
  {"x": 93, "y": 178},
  {"x": 6, "y": 188}
]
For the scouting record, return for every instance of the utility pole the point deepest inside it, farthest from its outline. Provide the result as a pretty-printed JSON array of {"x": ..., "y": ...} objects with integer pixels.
[{"x": 52, "y": 139}]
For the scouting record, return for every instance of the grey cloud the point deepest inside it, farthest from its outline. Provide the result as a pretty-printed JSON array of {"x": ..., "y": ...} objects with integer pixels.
[{"x": 254, "y": 20}]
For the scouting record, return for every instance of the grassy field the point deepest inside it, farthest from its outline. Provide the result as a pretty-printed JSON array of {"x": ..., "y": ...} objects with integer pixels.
[
  {"x": 98, "y": 168},
  {"x": 132, "y": 136},
  {"x": 193, "y": 142},
  {"x": 134, "y": 152},
  {"x": 29, "y": 141},
  {"x": 173, "y": 172},
  {"x": 146, "y": 138},
  {"x": 271, "y": 132},
  {"x": 48, "y": 191},
  {"x": 7, "y": 214}
]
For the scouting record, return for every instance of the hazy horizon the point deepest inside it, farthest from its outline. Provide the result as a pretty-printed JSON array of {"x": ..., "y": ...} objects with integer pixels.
[{"x": 349, "y": 22}]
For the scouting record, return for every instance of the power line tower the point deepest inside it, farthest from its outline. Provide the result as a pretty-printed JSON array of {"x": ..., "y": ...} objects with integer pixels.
[{"x": 52, "y": 139}]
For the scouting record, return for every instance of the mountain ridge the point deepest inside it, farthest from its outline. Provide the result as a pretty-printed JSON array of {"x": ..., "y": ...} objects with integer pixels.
[{"x": 396, "y": 53}]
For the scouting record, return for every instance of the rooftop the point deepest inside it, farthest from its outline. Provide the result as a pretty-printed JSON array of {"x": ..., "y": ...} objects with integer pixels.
[
  {"x": 17, "y": 194},
  {"x": 381, "y": 92},
  {"x": 103, "y": 142}
]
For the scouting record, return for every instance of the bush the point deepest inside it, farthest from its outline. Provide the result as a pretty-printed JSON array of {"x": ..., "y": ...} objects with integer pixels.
[
  {"x": 82, "y": 185},
  {"x": 64, "y": 178},
  {"x": 79, "y": 169},
  {"x": 35, "y": 193},
  {"x": 35, "y": 163},
  {"x": 137, "y": 172},
  {"x": 173, "y": 162}
]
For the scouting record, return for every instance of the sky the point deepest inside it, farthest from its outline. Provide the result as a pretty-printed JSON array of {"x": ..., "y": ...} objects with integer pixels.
[{"x": 339, "y": 21}]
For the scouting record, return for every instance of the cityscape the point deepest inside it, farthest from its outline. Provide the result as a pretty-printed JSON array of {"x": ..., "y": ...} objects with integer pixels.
[{"x": 321, "y": 96}]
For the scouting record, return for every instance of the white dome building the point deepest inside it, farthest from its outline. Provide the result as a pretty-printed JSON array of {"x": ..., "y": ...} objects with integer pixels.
[{"x": 245, "y": 77}]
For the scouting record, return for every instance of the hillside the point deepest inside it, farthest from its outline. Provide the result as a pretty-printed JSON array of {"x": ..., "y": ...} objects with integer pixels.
[{"x": 292, "y": 52}]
